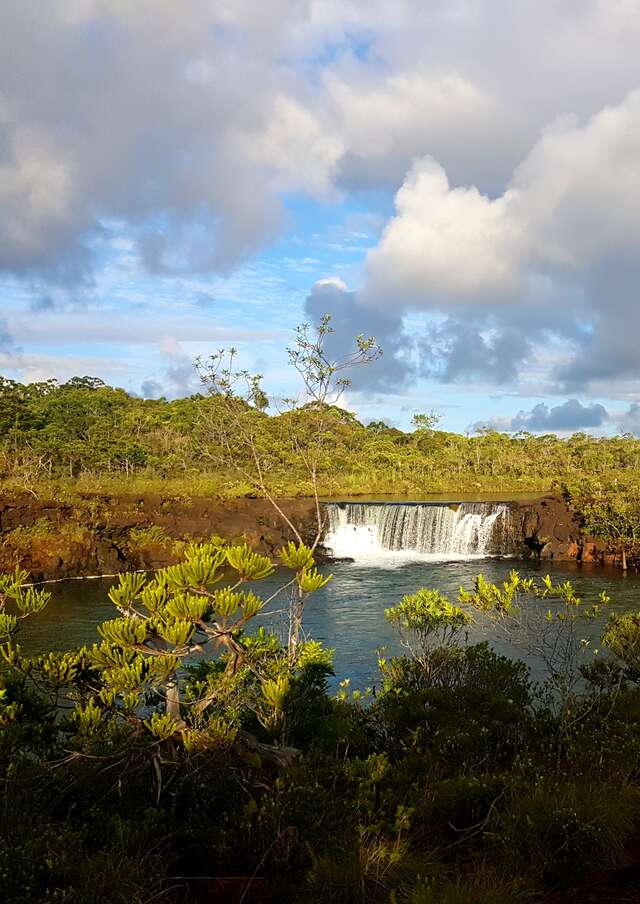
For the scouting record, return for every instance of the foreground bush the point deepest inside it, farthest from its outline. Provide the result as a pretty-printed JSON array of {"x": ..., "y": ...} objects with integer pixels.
[{"x": 457, "y": 781}]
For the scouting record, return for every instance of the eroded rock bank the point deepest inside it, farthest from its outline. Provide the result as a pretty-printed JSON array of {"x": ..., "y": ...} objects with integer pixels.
[
  {"x": 104, "y": 535},
  {"x": 548, "y": 529},
  {"x": 99, "y": 534}
]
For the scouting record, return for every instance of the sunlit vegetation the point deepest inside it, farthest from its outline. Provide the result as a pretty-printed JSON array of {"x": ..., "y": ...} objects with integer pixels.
[
  {"x": 185, "y": 742},
  {"x": 83, "y": 436},
  {"x": 609, "y": 509}
]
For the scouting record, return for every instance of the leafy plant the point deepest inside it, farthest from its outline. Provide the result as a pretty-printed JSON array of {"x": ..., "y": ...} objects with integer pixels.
[
  {"x": 556, "y": 635},
  {"x": 17, "y": 602},
  {"x": 427, "y": 620}
]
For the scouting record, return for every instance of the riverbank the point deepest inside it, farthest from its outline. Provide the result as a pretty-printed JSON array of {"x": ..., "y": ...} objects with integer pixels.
[
  {"x": 102, "y": 535},
  {"x": 106, "y": 534}
]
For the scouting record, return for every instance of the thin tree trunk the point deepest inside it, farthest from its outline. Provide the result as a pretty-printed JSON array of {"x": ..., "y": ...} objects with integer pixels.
[
  {"x": 173, "y": 702},
  {"x": 296, "y": 625}
]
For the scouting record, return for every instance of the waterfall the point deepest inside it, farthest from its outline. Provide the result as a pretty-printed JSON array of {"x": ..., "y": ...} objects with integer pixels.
[{"x": 412, "y": 530}]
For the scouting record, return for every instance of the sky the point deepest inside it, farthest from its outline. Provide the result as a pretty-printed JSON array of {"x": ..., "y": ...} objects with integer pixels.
[{"x": 459, "y": 178}]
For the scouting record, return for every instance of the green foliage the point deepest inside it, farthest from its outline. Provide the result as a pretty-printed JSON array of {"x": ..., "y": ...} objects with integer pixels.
[
  {"x": 60, "y": 670},
  {"x": 23, "y": 600},
  {"x": 427, "y": 623},
  {"x": 508, "y": 599},
  {"x": 312, "y": 655},
  {"x": 559, "y": 829},
  {"x": 479, "y": 889},
  {"x": 310, "y": 580},
  {"x": 22, "y": 539},
  {"x": 123, "y": 632},
  {"x": 429, "y": 617},
  {"x": 161, "y": 726},
  {"x": 557, "y": 638},
  {"x": 275, "y": 692},
  {"x": 476, "y": 666},
  {"x": 610, "y": 510},
  {"x": 84, "y": 435},
  {"x": 271, "y": 714},
  {"x": 201, "y": 568},
  {"x": 622, "y": 637},
  {"x": 143, "y": 537},
  {"x": 454, "y": 782},
  {"x": 249, "y": 565},
  {"x": 298, "y": 557},
  {"x": 457, "y": 708},
  {"x": 423, "y": 423},
  {"x": 195, "y": 607},
  {"x": 88, "y": 718},
  {"x": 488, "y": 597}
]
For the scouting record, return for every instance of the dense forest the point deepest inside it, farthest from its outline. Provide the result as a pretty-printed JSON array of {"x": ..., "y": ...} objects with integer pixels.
[{"x": 83, "y": 434}]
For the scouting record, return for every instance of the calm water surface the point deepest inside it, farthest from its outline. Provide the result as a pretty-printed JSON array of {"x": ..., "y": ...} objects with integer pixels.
[{"x": 348, "y": 614}]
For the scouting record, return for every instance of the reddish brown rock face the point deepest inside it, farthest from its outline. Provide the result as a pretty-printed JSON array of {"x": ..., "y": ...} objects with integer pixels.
[
  {"x": 550, "y": 530},
  {"x": 105, "y": 535}
]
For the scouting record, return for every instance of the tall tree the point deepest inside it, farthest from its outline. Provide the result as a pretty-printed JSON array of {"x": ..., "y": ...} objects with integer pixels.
[{"x": 237, "y": 425}]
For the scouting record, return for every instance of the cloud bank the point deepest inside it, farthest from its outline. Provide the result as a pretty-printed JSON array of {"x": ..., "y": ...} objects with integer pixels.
[
  {"x": 568, "y": 417},
  {"x": 564, "y": 233},
  {"x": 507, "y": 135}
]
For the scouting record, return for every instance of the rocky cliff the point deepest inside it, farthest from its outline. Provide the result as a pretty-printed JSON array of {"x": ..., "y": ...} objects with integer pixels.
[
  {"x": 104, "y": 535},
  {"x": 99, "y": 534},
  {"x": 548, "y": 529}
]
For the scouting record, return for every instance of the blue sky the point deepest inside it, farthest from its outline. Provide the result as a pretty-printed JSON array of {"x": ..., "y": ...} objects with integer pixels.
[{"x": 174, "y": 181}]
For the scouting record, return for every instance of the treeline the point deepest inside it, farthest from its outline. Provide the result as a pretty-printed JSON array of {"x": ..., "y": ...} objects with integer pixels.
[{"x": 87, "y": 434}]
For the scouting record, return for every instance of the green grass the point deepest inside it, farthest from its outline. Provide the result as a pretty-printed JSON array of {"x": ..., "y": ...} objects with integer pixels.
[{"x": 22, "y": 538}]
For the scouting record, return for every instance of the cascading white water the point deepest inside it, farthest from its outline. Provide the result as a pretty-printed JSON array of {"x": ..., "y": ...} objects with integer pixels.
[{"x": 392, "y": 530}]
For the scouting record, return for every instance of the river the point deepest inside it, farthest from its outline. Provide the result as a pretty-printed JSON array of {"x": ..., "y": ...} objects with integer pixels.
[
  {"x": 348, "y": 614},
  {"x": 396, "y": 547}
]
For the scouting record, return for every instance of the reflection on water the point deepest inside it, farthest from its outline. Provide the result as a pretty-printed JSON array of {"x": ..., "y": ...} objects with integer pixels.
[{"x": 347, "y": 614}]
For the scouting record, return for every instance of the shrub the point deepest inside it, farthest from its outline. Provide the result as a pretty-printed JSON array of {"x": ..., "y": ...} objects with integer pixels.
[
  {"x": 479, "y": 888},
  {"x": 622, "y": 637},
  {"x": 143, "y": 537},
  {"x": 22, "y": 538},
  {"x": 559, "y": 830}
]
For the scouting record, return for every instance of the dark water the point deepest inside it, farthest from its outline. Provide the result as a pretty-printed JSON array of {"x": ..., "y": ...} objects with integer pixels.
[{"x": 348, "y": 614}]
